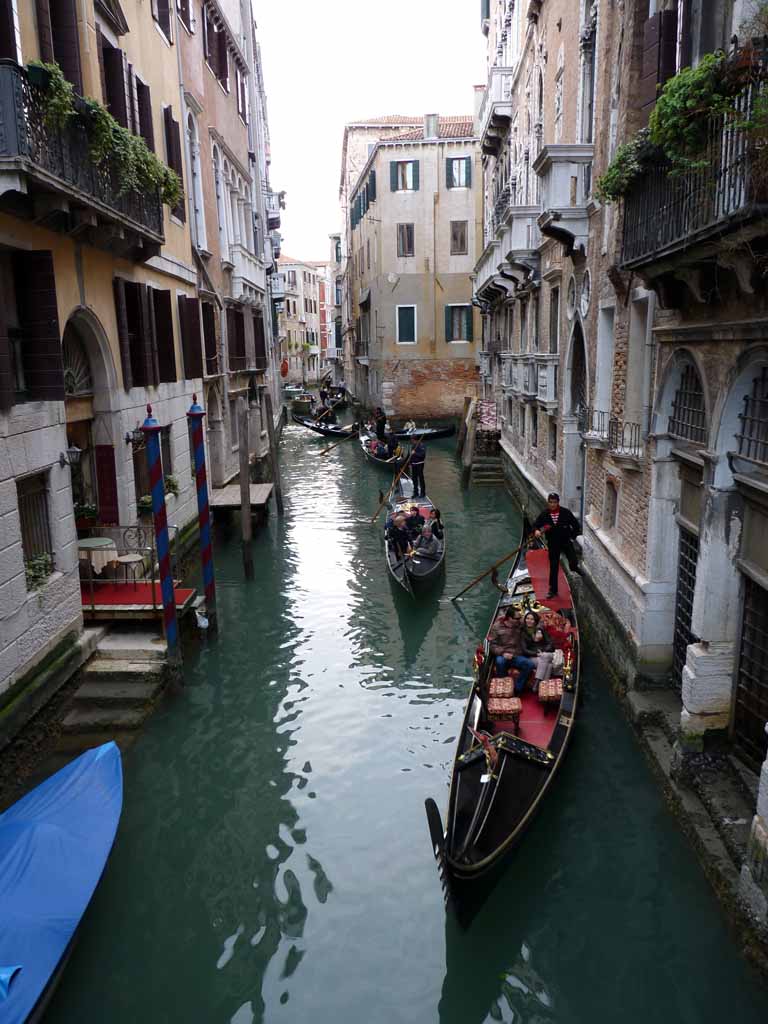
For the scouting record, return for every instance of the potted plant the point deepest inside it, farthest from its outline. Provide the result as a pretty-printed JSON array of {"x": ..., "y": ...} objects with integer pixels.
[
  {"x": 144, "y": 506},
  {"x": 172, "y": 485},
  {"x": 38, "y": 74},
  {"x": 85, "y": 515}
]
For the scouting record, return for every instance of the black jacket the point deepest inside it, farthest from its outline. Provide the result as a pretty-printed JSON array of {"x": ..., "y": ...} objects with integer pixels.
[{"x": 568, "y": 526}]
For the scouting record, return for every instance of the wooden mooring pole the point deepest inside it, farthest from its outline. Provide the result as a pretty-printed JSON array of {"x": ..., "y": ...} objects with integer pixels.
[
  {"x": 267, "y": 411},
  {"x": 246, "y": 524}
]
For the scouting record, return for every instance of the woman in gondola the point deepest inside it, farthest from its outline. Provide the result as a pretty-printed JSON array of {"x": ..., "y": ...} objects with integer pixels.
[
  {"x": 536, "y": 645},
  {"x": 436, "y": 523},
  {"x": 426, "y": 543}
]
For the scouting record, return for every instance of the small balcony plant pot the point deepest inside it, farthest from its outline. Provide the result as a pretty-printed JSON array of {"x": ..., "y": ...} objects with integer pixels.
[
  {"x": 38, "y": 76},
  {"x": 85, "y": 522}
]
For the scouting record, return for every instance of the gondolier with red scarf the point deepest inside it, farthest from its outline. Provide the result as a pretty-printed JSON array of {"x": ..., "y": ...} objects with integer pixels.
[{"x": 561, "y": 528}]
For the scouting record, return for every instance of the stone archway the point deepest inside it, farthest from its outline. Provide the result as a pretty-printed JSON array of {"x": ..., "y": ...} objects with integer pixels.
[{"x": 93, "y": 422}]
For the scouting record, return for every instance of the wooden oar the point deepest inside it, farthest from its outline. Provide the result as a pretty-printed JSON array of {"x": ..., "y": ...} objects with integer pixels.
[
  {"x": 488, "y": 572},
  {"x": 394, "y": 484},
  {"x": 336, "y": 445},
  {"x": 329, "y": 409}
]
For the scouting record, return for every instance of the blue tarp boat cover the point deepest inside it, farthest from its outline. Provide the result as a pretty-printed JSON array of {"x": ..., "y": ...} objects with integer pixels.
[{"x": 54, "y": 843}]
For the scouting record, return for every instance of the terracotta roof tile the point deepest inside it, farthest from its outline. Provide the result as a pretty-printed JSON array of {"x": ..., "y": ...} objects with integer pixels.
[
  {"x": 390, "y": 119},
  {"x": 448, "y": 128}
]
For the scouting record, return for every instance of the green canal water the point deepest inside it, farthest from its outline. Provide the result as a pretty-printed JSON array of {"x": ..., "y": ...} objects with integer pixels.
[{"x": 273, "y": 861}]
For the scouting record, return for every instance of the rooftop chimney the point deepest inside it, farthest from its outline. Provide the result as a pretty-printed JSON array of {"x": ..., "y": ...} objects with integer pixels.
[{"x": 430, "y": 126}]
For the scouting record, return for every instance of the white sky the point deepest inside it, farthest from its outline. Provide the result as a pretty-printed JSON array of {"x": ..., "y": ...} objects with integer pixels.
[{"x": 327, "y": 63}]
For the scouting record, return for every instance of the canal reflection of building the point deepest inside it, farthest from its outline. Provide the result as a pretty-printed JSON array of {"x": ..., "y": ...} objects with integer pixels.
[{"x": 415, "y": 617}]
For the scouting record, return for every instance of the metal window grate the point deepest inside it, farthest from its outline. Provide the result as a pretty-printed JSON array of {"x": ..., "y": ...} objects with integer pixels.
[
  {"x": 752, "y": 679},
  {"x": 753, "y": 436},
  {"x": 689, "y": 417},
  {"x": 33, "y": 514},
  {"x": 686, "y": 581}
]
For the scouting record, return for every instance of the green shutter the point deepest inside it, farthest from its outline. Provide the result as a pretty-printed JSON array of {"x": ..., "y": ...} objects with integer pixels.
[
  {"x": 372, "y": 186},
  {"x": 415, "y": 175},
  {"x": 468, "y": 161},
  {"x": 469, "y": 322},
  {"x": 393, "y": 175},
  {"x": 448, "y": 324},
  {"x": 448, "y": 172}
]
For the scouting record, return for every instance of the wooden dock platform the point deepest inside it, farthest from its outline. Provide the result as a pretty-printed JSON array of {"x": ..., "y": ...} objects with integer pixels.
[{"x": 223, "y": 498}]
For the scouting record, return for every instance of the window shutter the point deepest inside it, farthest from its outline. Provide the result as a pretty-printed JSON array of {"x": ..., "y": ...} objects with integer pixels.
[
  {"x": 7, "y": 32},
  {"x": 448, "y": 172},
  {"x": 163, "y": 8},
  {"x": 44, "y": 33},
  {"x": 468, "y": 162},
  {"x": 122, "y": 332},
  {"x": 448, "y": 336},
  {"x": 166, "y": 355},
  {"x": 114, "y": 74},
  {"x": 415, "y": 175},
  {"x": 146, "y": 127},
  {"x": 393, "y": 175},
  {"x": 173, "y": 155},
  {"x": 209, "y": 336},
  {"x": 66, "y": 41},
  {"x": 468, "y": 314},
  {"x": 260, "y": 341},
  {"x": 102, "y": 73},
  {"x": 222, "y": 62},
  {"x": 133, "y": 101},
  {"x": 149, "y": 337},
  {"x": 7, "y": 383},
  {"x": 106, "y": 484},
  {"x": 38, "y": 312},
  {"x": 372, "y": 186},
  {"x": 189, "y": 320}
]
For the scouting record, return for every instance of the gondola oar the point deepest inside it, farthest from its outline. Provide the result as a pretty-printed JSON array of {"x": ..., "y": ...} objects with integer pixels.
[
  {"x": 329, "y": 409},
  {"x": 383, "y": 502},
  {"x": 488, "y": 572},
  {"x": 336, "y": 445}
]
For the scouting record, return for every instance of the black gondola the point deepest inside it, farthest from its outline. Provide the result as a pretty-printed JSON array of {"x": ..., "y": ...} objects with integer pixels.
[
  {"x": 338, "y": 397},
  {"x": 365, "y": 439},
  {"x": 417, "y": 572},
  {"x": 426, "y": 433},
  {"x": 326, "y": 429},
  {"x": 507, "y": 757}
]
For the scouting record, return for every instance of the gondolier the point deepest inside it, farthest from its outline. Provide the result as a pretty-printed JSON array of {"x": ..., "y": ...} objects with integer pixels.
[
  {"x": 418, "y": 458},
  {"x": 561, "y": 528}
]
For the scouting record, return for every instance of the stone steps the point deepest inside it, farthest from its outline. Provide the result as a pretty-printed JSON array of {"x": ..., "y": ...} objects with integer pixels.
[
  {"x": 487, "y": 470},
  {"x": 120, "y": 671},
  {"x": 138, "y": 645},
  {"x": 113, "y": 694},
  {"x": 104, "y": 720}
]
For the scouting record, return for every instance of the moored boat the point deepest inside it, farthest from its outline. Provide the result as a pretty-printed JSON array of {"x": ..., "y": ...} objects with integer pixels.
[
  {"x": 426, "y": 433},
  {"x": 54, "y": 843},
  {"x": 416, "y": 572},
  {"x": 326, "y": 429},
  {"x": 365, "y": 439},
  {"x": 509, "y": 749}
]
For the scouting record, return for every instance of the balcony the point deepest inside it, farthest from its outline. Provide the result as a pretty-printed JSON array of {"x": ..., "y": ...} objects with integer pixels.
[
  {"x": 496, "y": 110},
  {"x": 277, "y": 283},
  {"x": 546, "y": 376},
  {"x": 666, "y": 215},
  {"x": 46, "y": 175},
  {"x": 333, "y": 353},
  {"x": 529, "y": 379},
  {"x": 593, "y": 426},
  {"x": 276, "y": 239},
  {"x": 623, "y": 439},
  {"x": 566, "y": 185},
  {"x": 274, "y": 206},
  {"x": 248, "y": 275}
]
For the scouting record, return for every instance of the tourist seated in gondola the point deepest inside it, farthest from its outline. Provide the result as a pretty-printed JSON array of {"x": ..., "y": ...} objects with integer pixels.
[
  {"x": 410, "y": 427},
  {"x": 426, "y": 543},
  {"x": 415, "y": 520},
  {"x": 381, "y": 450},
  {"x": 436, "y": 523},
  {"x": 505, "y": 643},
  {"x": 394, "y": 451},
  {"x": 537, "y": 645},
  {"x": 399, "y": 537}
]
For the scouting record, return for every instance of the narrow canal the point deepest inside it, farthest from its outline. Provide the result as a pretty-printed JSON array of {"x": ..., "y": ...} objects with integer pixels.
[{"x": 273, "y": 862}]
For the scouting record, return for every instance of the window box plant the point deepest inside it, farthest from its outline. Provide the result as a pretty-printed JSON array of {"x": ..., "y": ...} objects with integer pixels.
[{"x": 37, "y": 570}]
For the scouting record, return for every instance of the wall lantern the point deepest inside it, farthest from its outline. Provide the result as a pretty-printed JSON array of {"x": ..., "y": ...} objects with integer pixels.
[{"x": 71, "y": 457}]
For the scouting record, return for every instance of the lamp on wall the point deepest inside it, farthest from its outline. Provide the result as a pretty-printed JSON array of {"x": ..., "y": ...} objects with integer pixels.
[
  {"x": 71, "y": 457},
  {"x": 135, "y": 436}
]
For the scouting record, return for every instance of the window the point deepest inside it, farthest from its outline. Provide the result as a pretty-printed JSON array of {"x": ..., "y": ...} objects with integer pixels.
[
  {"x": 458, "y": 172},
  {"x": 165, "y": 451},
  {"x": 161, "y": 12},
  {"x": 521, "y": 409},
  {"x": 241, "y": 85},
  {"x": 535, "y": 324},
  {"x": 236, "y": 338},
  {"x": 368, "y": 254},
  {"x": 191, "y": 346},
  {"x": 534, "y": 426},
  {"x": 59, "y": 37},
  {"x": 185, "y": 12},
  {"x": 458, "y": 238},
  {"x": 173, "y": 156},
  {"x": 458, "y": 323},
  {"x": 32, "y": 493},
  {"x": 166, "y": 355},
  {"x": 144, "y": 125},
  {"x": 554, "y": 320},
  {"x": 406, "y": 324},
  {"x": 404, "y": 175},
  {"x": 209, "y": 337},
  {"x": 114, "y": 82},
  {"x": 553, "y": 439},
  {"x": 611, "y": 510},
  {"x": 523, "y": 326},
  {"x": 405, "y": 239},
  {"x": 753, "y": 429},
  {"x": 234, "y": 431}
]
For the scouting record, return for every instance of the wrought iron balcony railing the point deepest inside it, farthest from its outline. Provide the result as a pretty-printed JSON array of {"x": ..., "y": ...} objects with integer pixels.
[
  {"x": 664, "y": 213},
  {"x": 625, "y": 439},
  {"x": 58, "y": 160},
  {"x": 501, "y": 207}
]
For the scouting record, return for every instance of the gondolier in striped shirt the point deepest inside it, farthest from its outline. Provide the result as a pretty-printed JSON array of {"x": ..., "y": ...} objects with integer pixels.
[
  {"x": 561, "y": 528},
  {"x": 418, "y": 458}
]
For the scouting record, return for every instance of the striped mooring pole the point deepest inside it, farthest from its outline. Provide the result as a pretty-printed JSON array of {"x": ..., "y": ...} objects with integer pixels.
[
  {"x": 151, "y": 430},
  {"x": 195, "y": 419}
]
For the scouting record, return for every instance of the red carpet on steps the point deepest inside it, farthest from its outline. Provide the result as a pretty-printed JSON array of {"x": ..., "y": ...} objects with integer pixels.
[
  {"x": 122, "y": 594},
  {"x": 537, "y": 563}
]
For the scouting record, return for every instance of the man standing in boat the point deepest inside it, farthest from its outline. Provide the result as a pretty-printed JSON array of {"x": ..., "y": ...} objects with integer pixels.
[
  {"x": 561, "y": 527},
  {"x": 380, "y": 422},
  {"x": 418, "y": 458}
]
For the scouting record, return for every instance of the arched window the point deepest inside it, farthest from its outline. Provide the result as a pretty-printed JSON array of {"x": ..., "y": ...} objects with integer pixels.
[
  {"x": 753, "y": 421},
  {"x": 578, "y": 389},
  {"x": 77, "y": 368},
  {"x": 688, "y": 418}
]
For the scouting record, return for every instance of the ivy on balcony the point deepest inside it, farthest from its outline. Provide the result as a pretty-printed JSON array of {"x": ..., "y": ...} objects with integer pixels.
[{"x": 136, "y": 167}]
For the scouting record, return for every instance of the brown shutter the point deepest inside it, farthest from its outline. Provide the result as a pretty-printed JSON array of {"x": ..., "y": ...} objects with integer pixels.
[
  {"x": 222, "y": 59},
  {"x": 658, "y": 60},
  {"x": 102, "y": 73},
  {"x": 7, "y": 31},
  {"x": 164, "y": 334},
  {"x": 38, "y": 312},
  {"x": 189, "y": 319},
  {"x": 106, "y": 484},
  {"x": 7, "y": 383},
  {"x": 66, "y": 41},
  {"x": 260, "y": 342},
  {"x": 146, "y": 127},
  {"x": 133, "y": 101},
  {"x": 114, "y": 72},
  {"x": 163, "y": 8},
  {"x": 147, "y": 333},
  {"x": 44, "y": 33},
  {"x": 122, "y": 332},
  {"x": 173, "y": 153},
  {"x": 209, "y": 337}
]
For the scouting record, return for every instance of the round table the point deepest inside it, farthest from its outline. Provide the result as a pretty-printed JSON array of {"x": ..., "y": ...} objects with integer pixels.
[{"x": 99, "y": 551}]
